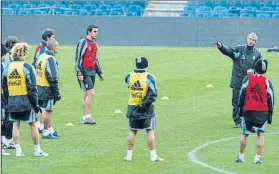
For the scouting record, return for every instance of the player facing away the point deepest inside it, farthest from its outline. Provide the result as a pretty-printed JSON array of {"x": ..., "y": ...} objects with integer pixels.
[
  {"x": 47, "y": 35},
  {"x": 87, "y": 66},
  {"x": 140, "y": 112},
  {"x": 20, "y": 90},
  {"x": 7, "y": 124},
  {"x": 256, "y": 102},
  {"x": 48, "y": 90}
]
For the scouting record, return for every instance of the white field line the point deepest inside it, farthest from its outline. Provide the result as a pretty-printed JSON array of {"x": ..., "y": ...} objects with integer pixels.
[{"x": 193, "y": 158}]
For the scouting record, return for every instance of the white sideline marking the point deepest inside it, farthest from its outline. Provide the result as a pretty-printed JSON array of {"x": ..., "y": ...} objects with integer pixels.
[{"x": 193, "y": 158}]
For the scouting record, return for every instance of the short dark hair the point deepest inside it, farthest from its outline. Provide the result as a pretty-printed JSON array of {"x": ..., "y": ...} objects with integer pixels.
[
  {"x": 10, "y": 42},
  {"x": 90, "y": 27},
  {"x": 48, "y": 32},
  {"x": 3, "y": 50},
  {"x": 261, "y": 66}
]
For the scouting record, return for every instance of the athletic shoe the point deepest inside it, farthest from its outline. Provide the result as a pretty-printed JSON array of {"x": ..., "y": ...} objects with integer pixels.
[
  {"x": 86, "y": 120},
  {"x": 56, "y": 134},
  {"x": 257, "y": 161},
  {"x": 128, "y": 158},
  {"x": 19, "y": 153},
  {"x": 49, "y": 136},
  {"x": 156, "y": 158},
  {"x": 239, "y": 160},
  {"x": 9, "y": 146},
  {"x": 40, "y": 154}
]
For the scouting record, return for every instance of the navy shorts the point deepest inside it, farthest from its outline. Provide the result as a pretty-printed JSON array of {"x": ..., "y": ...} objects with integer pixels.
[
  {"x": 148, "y": 123},
  {"x": 26, "y": 116},
  {"x": 47, "y": 105},
  {"x": 87, "y": 83}
]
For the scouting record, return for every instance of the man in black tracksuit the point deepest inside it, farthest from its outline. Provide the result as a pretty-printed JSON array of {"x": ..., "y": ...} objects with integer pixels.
[{"x": 243, "y": 57}]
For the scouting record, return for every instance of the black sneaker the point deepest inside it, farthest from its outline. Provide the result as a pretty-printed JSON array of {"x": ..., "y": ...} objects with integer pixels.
[{"x": 9, "y": 146}]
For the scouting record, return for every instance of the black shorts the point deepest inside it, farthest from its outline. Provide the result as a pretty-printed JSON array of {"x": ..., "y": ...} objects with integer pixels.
[
  {"x": 26, "y": 116},
  {"x": 47, "y": 105},
  {"x": 148, "y": 123},
  {"x": 87, "y": 83}
]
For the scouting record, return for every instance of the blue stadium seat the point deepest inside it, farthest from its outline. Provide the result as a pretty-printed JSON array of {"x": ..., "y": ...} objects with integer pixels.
[
  {"x": 207, "y": 3},
  {"x": 39, "y": 12},
  {"x": 135, "y": 8},
  {"x": 58, "y": 12},
  {"x": 119, "y": 8},
  {"x": 187, "y": 14},
  {"x": 104, "y": 8},
  {"x": 140, "y": 3},
  {"x": 96, "y": 3},
  {"x": 50, "y": 3},
  {"x": 116, "y": 13},
  {"x": 202, "y": 15},
  {"x": 18, "y": 2},
  {"x": 251, "y": 10},
  {"x": 85, "y": 13},
  {"x": 255, "y": 4},
  {"x": 4, "y": 3},
  {"x": 271, "y": 4},
  {"x": 130, "y": 13},
  {"x": 222, "y": 4},
  {"x": 8, "y": 12},
  {"x": 217, "y": 15},
  {"x": 80, "y": 3},
  {"x": 24, "y": 12},
  {"x": 109, "y": 3},
  {"x": 74, "y": 7},
  {"x": 14, "y": 6},
  {"x": 234, "y": 10},
  {"x": 266, "y": 9},
  {"x": 89, "y": 7},
  {"x": 101, "y": 13},
  {"x": 275, "y": 16},
  {"x": 70, "y": 13},
  {"x": 44, "y": 7},
  {"x": 190, "y": 9},
  {"x": 263, "y": 15},
  {"x": 59, "y": 7},
  {"x": 246, "y": 15},
  {"x": 35, "y": 3},
  {"x": 123, "y": 3},
  {"x": 237, "y": 4},
  {"x": 231, "y": 15},
  {"x": 220, "y": 9},
  {"x": 204, "y": 9},
  {"x": 193, "y": 3},
  {"x": 28, "y": 6}
]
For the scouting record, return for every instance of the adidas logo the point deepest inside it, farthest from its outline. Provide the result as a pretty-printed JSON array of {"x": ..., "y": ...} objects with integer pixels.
[
  {"x": 14, "y": 74},
  {"x": 137, "y": 86}
]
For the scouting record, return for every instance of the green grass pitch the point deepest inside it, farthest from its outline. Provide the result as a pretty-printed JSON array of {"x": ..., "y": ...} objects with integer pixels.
[{"x": 193, "y": 116}]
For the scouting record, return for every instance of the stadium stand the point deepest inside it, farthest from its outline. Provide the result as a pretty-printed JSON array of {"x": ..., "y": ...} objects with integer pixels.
[
  {"x": 203, "y": 8},
  {"x": 228, "y": 9},
  {"x": 73, "y": 8}
]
